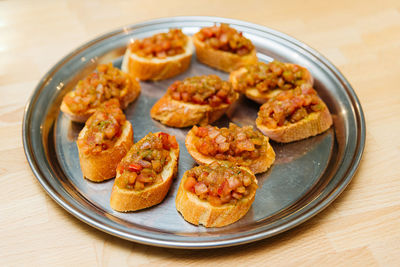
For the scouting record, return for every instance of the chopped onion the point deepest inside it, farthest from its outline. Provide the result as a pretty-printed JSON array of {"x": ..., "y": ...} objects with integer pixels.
[
  {"x": 220, "y": 139},
  {"x": 200, "y": 188}
]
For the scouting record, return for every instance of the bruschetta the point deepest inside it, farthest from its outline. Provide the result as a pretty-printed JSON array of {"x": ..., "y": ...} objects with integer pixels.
[
  {"x": 105, "y": 83},
  {"x": 242, "y": 146},
  {"x": 159, "y": 57},
  {"x": 294, "y": 115},
  {"x": 216, "y": 195},
  {"x": 145, "y": 174},
  {"x": 261, "y": 81},
  {"x": 223, "y": 48},
  {"x": 104, "y": 141},
  {"x": 195, "y": 100}
]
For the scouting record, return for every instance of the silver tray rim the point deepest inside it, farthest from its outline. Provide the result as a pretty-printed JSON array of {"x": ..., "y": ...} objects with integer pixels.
[{"x": 355, "y": 159}]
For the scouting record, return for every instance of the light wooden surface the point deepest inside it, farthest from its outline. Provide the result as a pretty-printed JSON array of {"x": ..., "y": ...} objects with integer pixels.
[{"x": 362, "y": 227}]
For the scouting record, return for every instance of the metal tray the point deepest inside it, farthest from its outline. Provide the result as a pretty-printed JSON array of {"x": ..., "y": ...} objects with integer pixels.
[{"x": 306, "y": 177}]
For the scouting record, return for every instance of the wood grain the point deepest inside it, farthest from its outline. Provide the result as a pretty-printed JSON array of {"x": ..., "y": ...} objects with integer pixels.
[{"x": 361, "y": 228}]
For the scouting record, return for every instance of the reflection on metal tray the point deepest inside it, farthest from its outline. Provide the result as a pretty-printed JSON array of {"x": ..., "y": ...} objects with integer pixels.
[{"x": 306, "y": 177}]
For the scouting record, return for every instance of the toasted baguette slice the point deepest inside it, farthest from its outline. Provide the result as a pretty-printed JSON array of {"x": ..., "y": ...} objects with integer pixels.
[
  {"x": 315, "y": 123},
  {"x": 83, "y": 117},
  {"x": 124, "y": 200},
  {"x": 197, "y": 211},
  {"x": 76, "y": 117},
  {"x": 155, "y": 68},
  {"x": 132, "y": 94},
  {"x": 101, "y": 166},
  {"x": 222, "y": 60},
  {"x": 261, "y": 164},
  {"x": 257, "y": 96},
  {"x": 179, "y": 114}
]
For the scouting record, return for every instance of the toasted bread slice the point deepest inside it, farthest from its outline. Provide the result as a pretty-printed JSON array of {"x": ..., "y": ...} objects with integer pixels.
[
  {"x": 101, "y": 166},
  {"x": 259, "y": 165},
  {"x": 179, "y": 114},
  {"x": 313, "y": 124},
  {"x": 125, "y": 200},
  {"x": 155, "y": 68},
  {"x": 262, "y": 97},
  {"x": 222, "y": 60},
  {"x": 197, "y": 211},
  {"x": 76, "y": 117},
  {"x": 132, "y": 93}
]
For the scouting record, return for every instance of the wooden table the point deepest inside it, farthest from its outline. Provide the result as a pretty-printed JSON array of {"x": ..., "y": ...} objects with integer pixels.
[{"x": 362, "y": 227}]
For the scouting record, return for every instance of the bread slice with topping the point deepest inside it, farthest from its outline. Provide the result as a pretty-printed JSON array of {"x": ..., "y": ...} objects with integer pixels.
[
  {"x": 223, "y": 48},
  {"x": 195, "y": 100},
  {"x": 106, "y": 83},
  {"x": 261, "y": 82},
  {"x": 103, "y": 142},
  {"x": 159, "y": 57},
  {"x": 294, "y": 115},
  {"x": 242, "y": 146},
  {"x": 216, "y": 195},
  {"x": 146, "y": 173}
]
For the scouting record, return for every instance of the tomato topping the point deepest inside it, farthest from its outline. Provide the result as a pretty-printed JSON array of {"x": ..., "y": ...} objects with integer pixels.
[
  {"x": 104, "y": 84},
  {"x": 290, "y": 107},
  {"x": 145, "y": 161},
  {"x": 219, "y": 183},
  {"x": 104, "y": 128},
  {"x": 190, "y": 183},
  {"x": 226, "y": 39},
  {"x": 203, "y": 90},
  {"x": 135, "y": 167},
  {"x": 161, "y": 45},
  {"x": 271, "y": 76},
  {"x": 240, "y": 145}
]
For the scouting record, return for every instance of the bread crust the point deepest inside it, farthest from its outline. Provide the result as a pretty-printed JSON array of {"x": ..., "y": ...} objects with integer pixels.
[
  {"x": 253, "y": 93},
  {"x": 131, "y": 96},
  {"x": 222, "y": 60},
  {"x": 315, "y": 123},
  {"x": 76, "y": 117},
  {"x": 102, "y": 166},
  {"x": 180, "y": 114},
  {"x": 125, "y": 200},
  {"x": 260, "y": 165},
  {"x": 197, "y": 211},
  {"x": 157, "y": 69}
]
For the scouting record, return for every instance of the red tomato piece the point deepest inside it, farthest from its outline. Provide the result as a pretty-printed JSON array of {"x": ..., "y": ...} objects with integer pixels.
[{"x": 133, "y": 167}]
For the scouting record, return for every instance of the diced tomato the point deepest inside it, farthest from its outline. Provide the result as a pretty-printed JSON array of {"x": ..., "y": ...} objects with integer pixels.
[
  {"x": 202, "y": 131},
  {"x": 190, "y": 183},
  {"x": 133, "y": 167},
  {"x": 224, "y": 188},
  {"x": 165, "y": 141},
  {"x": 172, "y": 141}
]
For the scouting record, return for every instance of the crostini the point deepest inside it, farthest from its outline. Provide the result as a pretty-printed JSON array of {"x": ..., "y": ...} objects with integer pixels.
[
  {"x": 216, "y": 195},
  {"x": 261, "y": 81},
  {"x": 104, "y": 141},
  {"x": 294, "y": 115},
  {"x": 145, "y": 174},
  {"x": 242, "y": 146},
  {"x": 223, "y": 48},
  {"x": 105, "y": 83},
  {"x": 195, "y": 100},
  {"x": 159, "y": 57}
]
